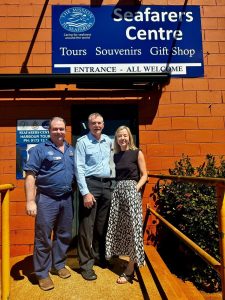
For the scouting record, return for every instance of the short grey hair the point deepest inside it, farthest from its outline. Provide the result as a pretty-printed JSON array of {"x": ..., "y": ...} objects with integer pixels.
[{"x": 95, "y": 115}]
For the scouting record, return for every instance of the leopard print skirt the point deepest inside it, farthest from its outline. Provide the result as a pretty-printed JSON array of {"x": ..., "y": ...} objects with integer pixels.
[{"x": 124, "y": 234}]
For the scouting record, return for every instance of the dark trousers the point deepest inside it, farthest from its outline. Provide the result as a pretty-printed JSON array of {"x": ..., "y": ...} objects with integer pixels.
[
  {"x": 53, "y": 216},
  {"x": 93, "y": 224}
]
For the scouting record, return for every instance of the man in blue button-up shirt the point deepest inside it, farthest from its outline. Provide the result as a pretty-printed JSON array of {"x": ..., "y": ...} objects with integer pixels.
[
  {"x": 92, "y": 169},
  {"x": 48, "y": 187}
]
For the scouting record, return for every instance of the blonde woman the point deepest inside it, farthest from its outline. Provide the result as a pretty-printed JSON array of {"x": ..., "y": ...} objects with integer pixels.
[{"x": 124, "y": 234}]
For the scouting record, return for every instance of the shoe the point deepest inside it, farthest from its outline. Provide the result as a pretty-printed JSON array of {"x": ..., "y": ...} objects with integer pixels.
[
  {"x": 62, "y": 273},
  {"x": 89, "y": 274},
  {"x": 46, "y": 284},
  {"x": 124, "y": 278}
]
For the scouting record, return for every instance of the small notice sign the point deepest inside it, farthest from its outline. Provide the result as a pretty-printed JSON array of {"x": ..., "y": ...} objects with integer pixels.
[{"x": 29, "y": 133}]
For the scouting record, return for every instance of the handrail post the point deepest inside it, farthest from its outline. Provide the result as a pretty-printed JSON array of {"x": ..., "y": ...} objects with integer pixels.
[
  {"x": 220, "y": 195},
  {"x": 5, "y": 246}
]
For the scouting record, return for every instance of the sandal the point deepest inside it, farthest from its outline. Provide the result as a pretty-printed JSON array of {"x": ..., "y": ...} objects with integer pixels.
[{"x": 125, "y": 278}]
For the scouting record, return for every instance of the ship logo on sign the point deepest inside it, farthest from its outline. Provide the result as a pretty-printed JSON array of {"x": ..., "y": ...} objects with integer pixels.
[{"x": 77, "y": 19}]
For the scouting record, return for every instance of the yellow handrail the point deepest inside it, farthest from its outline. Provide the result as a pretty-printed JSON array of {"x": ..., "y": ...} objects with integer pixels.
[
  {"x": 219, "y": 183},
  {"x": 206, "y": 180},
  {"x": 5, "y": 270},
  {"x": 208, "y": 258}
]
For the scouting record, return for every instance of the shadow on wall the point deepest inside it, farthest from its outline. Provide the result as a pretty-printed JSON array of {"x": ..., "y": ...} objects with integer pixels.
[
  {"x": 148, "y": 106},
  {"x": 24, "y": 65},
  {"x": 120, "y": 2},
  {"x": 96, "y": 2}
]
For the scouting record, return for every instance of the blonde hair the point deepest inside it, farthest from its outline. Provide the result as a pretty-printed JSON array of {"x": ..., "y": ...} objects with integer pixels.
[{"x": 131, "y": 140}]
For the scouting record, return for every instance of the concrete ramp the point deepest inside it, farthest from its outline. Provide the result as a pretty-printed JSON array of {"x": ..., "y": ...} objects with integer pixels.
[{"x": 154, "y": 281}]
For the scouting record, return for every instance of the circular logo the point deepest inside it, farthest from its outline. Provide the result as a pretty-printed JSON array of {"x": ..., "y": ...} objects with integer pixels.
[
  {"x": 77, "y": 19},
  {"x": 45, "y": 124}
]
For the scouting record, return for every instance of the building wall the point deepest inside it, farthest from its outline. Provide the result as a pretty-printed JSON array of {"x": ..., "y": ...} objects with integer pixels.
[{"x": 188, "y": 116}]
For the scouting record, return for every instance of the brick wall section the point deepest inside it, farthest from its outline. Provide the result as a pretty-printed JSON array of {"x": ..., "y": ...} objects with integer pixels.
[{"x": 187, "y": 117}]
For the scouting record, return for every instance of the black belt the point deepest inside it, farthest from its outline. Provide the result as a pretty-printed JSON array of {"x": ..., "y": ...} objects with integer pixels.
[{"x": 101, "y": 179}]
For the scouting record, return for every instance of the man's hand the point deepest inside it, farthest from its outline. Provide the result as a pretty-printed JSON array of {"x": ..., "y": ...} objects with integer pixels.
[
  {"x": 89, "y": 200},
  {"x": 31, "y": 208}
]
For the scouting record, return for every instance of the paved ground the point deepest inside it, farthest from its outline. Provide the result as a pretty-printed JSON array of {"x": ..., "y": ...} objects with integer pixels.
[{"x": 24, "y": 285}]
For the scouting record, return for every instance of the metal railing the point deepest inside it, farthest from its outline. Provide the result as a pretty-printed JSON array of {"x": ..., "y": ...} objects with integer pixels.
[
  {"x": 5, "y": 269},
  {"x": 219, "y": 183}
]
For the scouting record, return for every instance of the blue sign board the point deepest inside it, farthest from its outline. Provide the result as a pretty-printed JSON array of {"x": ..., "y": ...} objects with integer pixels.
[
  {"x": 122, "y": 39},
  {"x": 29, "y": 133}
]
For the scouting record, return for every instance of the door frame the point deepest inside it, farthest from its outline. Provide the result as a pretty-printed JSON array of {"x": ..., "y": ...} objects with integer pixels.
[{"x": 123, "y": 114}]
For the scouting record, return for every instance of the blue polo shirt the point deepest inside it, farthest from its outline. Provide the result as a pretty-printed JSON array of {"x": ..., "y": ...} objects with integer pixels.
[
  {"x": 92, "y": 158},
  {"x": 53, "y": 169}
]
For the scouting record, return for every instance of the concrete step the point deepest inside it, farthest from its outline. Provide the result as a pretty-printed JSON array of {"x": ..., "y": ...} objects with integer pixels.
[
  {"x": 147, "y": 283},
  {"x": 168, "y": 285}
]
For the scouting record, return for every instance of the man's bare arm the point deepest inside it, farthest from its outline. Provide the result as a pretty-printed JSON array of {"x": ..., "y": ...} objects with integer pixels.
[{"x": 30, "y": 192}]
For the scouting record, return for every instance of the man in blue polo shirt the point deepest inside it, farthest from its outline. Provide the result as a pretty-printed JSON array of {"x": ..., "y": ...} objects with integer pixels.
[
  {"x": 92, "y": 169},
  {"x": 48, "y": 188}
]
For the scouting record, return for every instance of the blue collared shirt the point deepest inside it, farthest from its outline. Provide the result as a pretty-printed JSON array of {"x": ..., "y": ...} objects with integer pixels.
[
  {"x": 54, "y": 169},
  {"x": 92, "y": 158}
]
